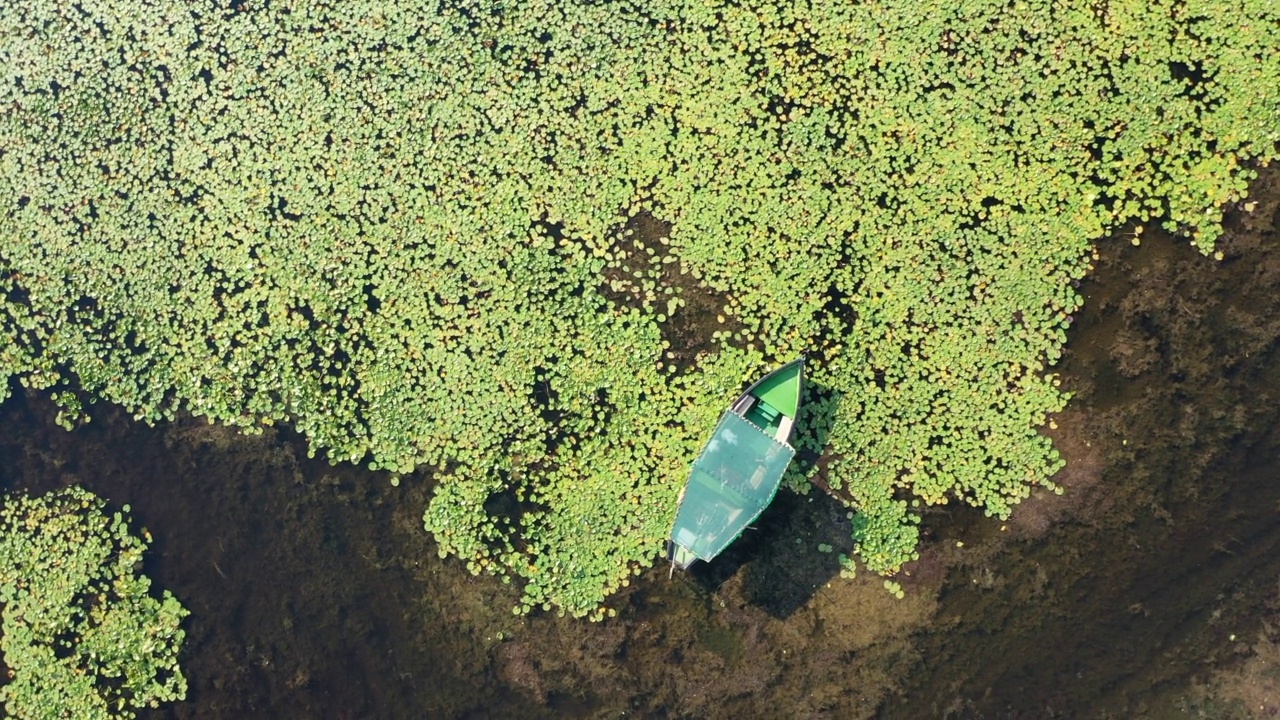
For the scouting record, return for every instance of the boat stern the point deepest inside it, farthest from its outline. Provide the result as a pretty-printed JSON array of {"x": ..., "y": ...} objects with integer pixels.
[{"x": 680, "y": 555}]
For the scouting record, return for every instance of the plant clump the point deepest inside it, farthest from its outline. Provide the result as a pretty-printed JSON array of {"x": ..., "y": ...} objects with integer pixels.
[
  {"x": 83, "y": 636},
  {"x": 392, "y": 227}
]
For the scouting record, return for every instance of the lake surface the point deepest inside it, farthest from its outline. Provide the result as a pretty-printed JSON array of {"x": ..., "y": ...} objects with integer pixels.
[{"x": 1148, "y": 589}]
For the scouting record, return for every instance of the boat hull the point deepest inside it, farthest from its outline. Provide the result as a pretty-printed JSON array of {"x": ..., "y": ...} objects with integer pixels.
[{"x": 739, "y": 469}]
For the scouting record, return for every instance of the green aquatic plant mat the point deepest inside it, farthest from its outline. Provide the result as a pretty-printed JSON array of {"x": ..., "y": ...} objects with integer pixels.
[
  {"x": 83, "y": 635},
  {"x": 397, "y": 227}
]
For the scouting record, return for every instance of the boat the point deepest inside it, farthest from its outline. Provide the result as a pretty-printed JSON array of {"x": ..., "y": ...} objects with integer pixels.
[{"x": 737, "y": 473}]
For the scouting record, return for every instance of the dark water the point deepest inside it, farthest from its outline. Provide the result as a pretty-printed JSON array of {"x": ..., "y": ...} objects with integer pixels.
[
  {"x": 310, "y": 589},
  {"x": 1167, "y": 565},
  {"x": 315, "y": 593}
]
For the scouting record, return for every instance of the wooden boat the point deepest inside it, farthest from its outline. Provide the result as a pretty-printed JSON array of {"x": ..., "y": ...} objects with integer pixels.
[{"x": 738, "y": 471}]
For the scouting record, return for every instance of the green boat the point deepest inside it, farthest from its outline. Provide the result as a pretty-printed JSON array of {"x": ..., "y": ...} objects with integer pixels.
[{"x": 739, "y": 469}]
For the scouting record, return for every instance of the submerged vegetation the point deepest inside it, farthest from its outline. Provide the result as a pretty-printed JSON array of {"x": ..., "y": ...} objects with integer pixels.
[
  {"x": 401, "y": 230},
  {"x": 82, "y": 635}
]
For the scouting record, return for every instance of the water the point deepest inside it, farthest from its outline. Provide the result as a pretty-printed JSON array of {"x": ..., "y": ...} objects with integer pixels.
[
  {"x": 313, "y": 590},
  {"x": 315, "y": 593},
  {"x": 1168, "y": 550}
]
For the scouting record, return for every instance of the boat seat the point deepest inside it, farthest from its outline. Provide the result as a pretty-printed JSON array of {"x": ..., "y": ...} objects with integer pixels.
[
  {"x": 763, "y": 414},
  {"x": 784, "y": 429}
]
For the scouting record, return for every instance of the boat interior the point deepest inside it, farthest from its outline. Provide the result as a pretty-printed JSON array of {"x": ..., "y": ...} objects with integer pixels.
[{"x": 764, "y": 416}]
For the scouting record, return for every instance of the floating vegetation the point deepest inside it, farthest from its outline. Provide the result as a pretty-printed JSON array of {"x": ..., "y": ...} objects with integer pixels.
[
  {"x": 82, "y": 635},
  {"x": 392, "y": 227},
  {"x": 641, "y": 272}
]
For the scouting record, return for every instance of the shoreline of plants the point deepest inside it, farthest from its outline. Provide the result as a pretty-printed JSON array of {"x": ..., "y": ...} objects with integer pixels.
[{"x": 342, "y": 218}]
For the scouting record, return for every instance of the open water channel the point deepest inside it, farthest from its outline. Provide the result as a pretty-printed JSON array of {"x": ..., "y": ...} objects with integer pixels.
[{"x": 1151, "y": 588}]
